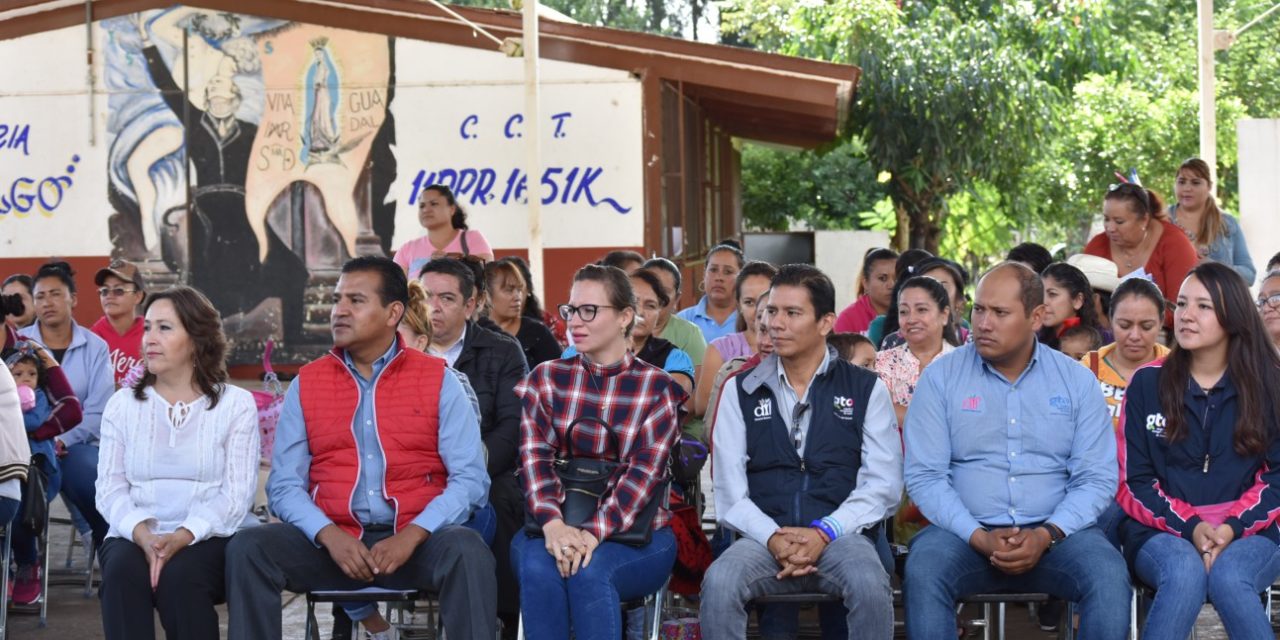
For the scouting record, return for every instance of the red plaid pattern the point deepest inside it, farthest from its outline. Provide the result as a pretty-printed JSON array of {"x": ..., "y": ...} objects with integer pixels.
[{"x": 642, "y": 405}]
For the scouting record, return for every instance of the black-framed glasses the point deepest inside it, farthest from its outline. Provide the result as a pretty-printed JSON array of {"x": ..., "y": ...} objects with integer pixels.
[
  {"x": 585, "y": 311},
  {"x": 113, "y": 291},
  {"x": 1272, "y": 301}
]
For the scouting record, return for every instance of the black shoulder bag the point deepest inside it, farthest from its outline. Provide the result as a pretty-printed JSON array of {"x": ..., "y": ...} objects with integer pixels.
[
  {"x": 35, "y": 501},
  {"x": 585, "y": 482}
]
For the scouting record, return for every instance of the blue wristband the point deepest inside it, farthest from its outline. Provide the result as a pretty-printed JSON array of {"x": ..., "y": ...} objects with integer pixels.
[{"x": 825, "y": 529}]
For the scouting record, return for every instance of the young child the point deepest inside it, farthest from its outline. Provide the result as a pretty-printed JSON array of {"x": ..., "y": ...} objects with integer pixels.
[
  {"x": 855, "y": 348},
  {"x": 1079, "y": 340},
  {"x": 54, "y": 410}
]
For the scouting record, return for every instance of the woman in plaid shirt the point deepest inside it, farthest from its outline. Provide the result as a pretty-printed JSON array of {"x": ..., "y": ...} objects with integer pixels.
[{"x": 572, "y": 576}]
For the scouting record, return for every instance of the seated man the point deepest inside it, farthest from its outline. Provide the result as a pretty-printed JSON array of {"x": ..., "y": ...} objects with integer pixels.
[
  {"x": 1010, "y": 454},
  {"x": 805, "y": 488},
  {"x": 377, "y": 459}
]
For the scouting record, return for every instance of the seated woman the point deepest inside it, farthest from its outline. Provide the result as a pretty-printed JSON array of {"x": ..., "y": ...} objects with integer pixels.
[
  {"x": 1068, "y": 301},
  {"x": 752, "y": 283},
  {"x": 506, "y": 287},
  {"x": 177, "y": 476},
  {"x": 924, "y": 312},
  {"x": 1200, "y": 463},
  {"x": 573, "y": 577}
]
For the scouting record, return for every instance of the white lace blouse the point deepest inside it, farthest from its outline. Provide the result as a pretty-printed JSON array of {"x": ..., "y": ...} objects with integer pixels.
[{"x": 181, "y": 465}]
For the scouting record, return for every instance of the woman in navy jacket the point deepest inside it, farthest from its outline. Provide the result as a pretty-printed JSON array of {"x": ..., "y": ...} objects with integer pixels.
[{"x": 1200, "y": 463}]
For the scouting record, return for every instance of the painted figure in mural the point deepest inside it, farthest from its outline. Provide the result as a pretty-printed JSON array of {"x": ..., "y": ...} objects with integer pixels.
[
  {"x": 321, "y": 133},
  {"x": 223, "y": 256}
]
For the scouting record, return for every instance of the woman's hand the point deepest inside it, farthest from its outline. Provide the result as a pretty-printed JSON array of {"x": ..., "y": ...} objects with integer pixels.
[
  {"x": 165, "y": 547},
  {"x": 46, "y": 358},
  {"x": 564, "y": 544},
  {"x": 1211, "y": 541},
  {"x": 589, "y": 544}
]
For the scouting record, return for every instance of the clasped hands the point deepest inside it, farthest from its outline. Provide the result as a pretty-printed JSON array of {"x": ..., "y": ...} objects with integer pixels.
[
  {"x": 797, "y": 550},
  {"x": 1210, "y": 541},
  {"x": 363, "y": 563},
  {"x": 1013, "y": 550},
  {"x": 570, "y": 546},
  {"x": 160, "y": 548}
]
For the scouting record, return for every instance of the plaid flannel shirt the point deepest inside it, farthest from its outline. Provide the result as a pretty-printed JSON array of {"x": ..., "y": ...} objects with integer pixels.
[{"x": 642, "y": 405}]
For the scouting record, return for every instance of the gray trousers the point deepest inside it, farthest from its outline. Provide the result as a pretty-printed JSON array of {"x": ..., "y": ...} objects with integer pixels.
[
  {"x": 263, "y": 561},
  {"x": 849, "y": 567}
]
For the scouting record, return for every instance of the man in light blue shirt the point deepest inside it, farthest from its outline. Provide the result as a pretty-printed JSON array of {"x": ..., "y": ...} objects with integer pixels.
[
  {"x": 377, "y": 461},
  {"x": 1010, "y": 455}
]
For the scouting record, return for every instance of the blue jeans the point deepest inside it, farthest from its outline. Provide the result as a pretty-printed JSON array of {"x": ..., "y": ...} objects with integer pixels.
[
  {"x": 1084, "y": 568},
  {"x": 590, "y": 601},
  {"x": 8, "y": 510},
  {"x": 1174, "y": 568},
  {"x": 79, "y": 474},
  {"x": 484, "y": 521},
  {"x": 1109, "y": 523}
]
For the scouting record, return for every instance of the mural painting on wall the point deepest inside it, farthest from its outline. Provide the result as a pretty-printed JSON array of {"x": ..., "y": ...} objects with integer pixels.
[{"x": 242, "y": 161}]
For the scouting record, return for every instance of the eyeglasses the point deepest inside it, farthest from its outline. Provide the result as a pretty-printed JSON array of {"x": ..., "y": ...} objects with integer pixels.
[
  {"x": 1272, "y": 301},
  {"x": 585, "y": 311},
  {"x": 104, "y": 292}
]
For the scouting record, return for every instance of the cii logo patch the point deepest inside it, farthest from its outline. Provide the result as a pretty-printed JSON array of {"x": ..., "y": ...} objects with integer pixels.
[
  {"x": 972, "y": 404},
  {"x": 843, "y": 407},
  {"x": 764, "y": 410}
]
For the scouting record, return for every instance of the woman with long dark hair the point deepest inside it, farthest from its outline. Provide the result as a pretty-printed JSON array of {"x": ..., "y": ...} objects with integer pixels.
[
  {"x": 1200, "y": 463},
  {"x": 875, "y": 292},
  {"x": 573, "y": 577},
  {"x": 448, "y": 234},
  {"x": 178, "y": 472},
  {"x": 924, "y": 318},
  {"x": 1068, "y": 300}
]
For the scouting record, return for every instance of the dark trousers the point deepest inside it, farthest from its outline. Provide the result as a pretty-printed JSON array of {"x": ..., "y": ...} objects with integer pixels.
[
  {"x": 263, "y": 561},
  {"x": 508, "y": 504},
  {"x": 191, "y": 583}
]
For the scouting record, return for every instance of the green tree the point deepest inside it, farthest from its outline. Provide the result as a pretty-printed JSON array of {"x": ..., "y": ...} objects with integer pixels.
[{"x": 824, "y": 191}]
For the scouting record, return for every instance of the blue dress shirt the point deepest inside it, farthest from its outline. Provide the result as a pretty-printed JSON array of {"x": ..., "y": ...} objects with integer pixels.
[
  {"x": 460, "y": 450},
  {"x": 984, "y": 450}
]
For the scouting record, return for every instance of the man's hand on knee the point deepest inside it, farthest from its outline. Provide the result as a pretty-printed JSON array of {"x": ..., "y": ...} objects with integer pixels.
[
  {"x": 391, "y": 554},
  {"x": 348, "y": 553}
]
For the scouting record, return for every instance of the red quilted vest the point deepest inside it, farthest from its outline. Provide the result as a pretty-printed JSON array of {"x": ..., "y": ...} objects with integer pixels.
[{"x": 406, "y": 406}]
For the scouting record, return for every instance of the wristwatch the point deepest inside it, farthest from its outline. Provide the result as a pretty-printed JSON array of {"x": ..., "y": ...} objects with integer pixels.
[{"x": 1055, "y": 535}]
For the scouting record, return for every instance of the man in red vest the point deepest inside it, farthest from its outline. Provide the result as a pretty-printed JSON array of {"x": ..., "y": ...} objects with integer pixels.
[{"x": 377, "y": 461}]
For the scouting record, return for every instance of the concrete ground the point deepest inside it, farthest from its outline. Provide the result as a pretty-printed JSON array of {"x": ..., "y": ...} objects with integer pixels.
[{"x": 74, "y": 616}]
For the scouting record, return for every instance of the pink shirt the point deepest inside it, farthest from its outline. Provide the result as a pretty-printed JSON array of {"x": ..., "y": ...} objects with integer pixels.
[
  {"x": 125, "y": 350},
  {"x": 856, "y": 317},
  {"x": 417, "y": 252}
]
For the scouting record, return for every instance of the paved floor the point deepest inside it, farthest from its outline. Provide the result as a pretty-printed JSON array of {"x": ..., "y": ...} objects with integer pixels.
[{"x": 73, "y": 616}]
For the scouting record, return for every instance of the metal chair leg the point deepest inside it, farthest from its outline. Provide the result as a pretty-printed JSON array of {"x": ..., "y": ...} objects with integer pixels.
[
  {"x": 1000, "y": 611},
  {"x": 5, "y": 557},
  {"x": 92, "y": 569},
  {"x": 987, "y": 620},
  {"x": 44, "y": 573}
]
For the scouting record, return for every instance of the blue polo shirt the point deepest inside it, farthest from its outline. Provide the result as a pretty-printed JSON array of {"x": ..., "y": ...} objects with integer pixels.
[{"x": 697, "y": 314}]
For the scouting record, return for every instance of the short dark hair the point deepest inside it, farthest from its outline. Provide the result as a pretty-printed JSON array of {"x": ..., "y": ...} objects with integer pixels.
[
  {"x": 668, "y": 266},
  {"x": 650, "y": 278},
  {"x": 1029, "y": 284},
  {"x": 619, "y": 258},
  {"x": 1031, "y": 254},
  {"x": 1139, "y": 288},
  {"x": 751, "y": 269},
  {"x": 532, "y": 304},
  {"x": 59, "y": 269},
  {"x": 940, "y": 298},
  {"x": 1083, "y": 331},
  {"x": 846, "y": 344},
  {"x": 394, "y": 286},
  {"x": 1272, "y": 264},
  {"x": 208, "y": 343},
  {"x": 464, "y": 274},
  {"x": 822, "y": 294}
]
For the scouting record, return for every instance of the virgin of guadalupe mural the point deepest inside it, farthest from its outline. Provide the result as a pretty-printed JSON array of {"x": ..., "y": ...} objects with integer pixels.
[
  {"x": 321, "y": 135},
  {"x": 230, "y": 165}
]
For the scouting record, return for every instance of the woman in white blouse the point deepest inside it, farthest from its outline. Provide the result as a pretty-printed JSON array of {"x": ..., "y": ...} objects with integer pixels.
[{"x": 176, "y": 476}]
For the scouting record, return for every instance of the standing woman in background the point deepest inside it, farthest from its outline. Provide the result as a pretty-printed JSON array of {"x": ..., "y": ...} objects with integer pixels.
[
  {"x": 875, "y": 286},
  {"x": 447, "y": 232},
  {"x": 1214, "y": 233},
  {"x": 1200, "y": 463},
  {"x": 1139, "y": 237},
  {"x": 177, "y": 476}
]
